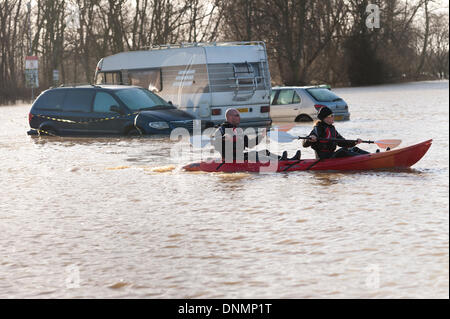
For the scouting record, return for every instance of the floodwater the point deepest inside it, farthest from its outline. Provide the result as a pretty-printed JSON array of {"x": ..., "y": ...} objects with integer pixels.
[{"x": 118, "y": 218}]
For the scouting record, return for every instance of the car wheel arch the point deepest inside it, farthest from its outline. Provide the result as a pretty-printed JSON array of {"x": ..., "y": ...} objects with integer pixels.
[
  {"x": 47, "y": 129},
  {"x": 133, "y": 131},
  {"x": 303, "y": 118}
]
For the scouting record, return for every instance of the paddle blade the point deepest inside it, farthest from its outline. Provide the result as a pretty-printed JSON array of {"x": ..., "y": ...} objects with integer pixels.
[
  {"x": 281, "y": 136},
  {"x": 284, "y": 128},
  {"x": 388, "y": 143}
]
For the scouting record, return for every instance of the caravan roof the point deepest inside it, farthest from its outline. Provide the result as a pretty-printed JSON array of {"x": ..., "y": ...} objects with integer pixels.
[{"x": 182, "y": 54}]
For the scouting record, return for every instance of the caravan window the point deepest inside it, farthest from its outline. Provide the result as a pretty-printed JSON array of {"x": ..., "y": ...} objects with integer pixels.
[
  {"x": 108, "y": 78},
  {"x": 112, "y": 77},
  {"x": 149, "y": 79}
]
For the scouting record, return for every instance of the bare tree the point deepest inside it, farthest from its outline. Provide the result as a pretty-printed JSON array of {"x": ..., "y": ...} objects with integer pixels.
[
  {"x": 296, "y": 32},
  {"x": 425, "y": 38},
  {"x": 307, "y": 41},
  {"x": 438, "y": 46},
  {"x": 12, "y": 50}
]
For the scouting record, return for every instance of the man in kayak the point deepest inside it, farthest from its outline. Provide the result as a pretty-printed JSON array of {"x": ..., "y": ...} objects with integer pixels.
[
  {"x": 231, "y": 141},
  {"x": 323, "y": 131}
]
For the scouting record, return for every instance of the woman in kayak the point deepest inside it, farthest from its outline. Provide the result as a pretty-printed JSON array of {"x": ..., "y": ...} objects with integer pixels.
[
  {"x": 231, "y": 142},
  {"x": 323, "y": 131}
]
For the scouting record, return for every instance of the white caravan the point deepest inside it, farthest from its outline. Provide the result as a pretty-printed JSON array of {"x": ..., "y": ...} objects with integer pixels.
[{"x": 203, "y": 79}]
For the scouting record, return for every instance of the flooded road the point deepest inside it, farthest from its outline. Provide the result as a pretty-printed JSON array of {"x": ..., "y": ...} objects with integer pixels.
[{"x": 118, "y": 218}]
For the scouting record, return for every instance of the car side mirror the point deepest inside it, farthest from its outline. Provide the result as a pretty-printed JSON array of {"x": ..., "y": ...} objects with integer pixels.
[
  {"x": 170, "y": 103},
  {"x": 115, "y": 108}
]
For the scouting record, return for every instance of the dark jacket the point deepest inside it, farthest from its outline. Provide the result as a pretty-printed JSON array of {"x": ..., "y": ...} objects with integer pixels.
[
  {"x": 240, "y": 140},
  {"x": 323, "y": 148}
]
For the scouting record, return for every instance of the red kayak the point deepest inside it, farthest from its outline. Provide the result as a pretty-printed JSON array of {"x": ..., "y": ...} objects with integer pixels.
[{"x": 401, "y": 158}]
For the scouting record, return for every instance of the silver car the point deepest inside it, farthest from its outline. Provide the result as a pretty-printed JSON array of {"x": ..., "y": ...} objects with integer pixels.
[{"x": 302, "y": 103}]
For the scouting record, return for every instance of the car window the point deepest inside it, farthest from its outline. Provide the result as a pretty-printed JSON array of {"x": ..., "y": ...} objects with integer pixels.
[
  {"x": 285, "y": 97},
  {"x": 137, "y": 98},
  {"x": 295, "y": 98},
  {"x": 50, "y": 100},
  {"x": 103, "y": 102},
  {"x": 323, "y": 95},
  {"x": 272, "y": 95},
  {"x": 78, "y": 100}
]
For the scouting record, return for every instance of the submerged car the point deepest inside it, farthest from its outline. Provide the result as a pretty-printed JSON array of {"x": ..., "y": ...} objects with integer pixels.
[
  {"x": 104, "y": 110},
  {"x": 302, "y": 103}
]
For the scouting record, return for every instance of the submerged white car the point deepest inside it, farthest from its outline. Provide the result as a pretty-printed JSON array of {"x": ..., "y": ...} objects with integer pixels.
[{"x": 302, "y": 103}]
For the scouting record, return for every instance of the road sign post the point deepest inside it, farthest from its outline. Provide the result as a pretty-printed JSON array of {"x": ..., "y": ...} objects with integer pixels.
[
  {"x": 55, "y": 77},
  {"x": 32, "y": 73}
]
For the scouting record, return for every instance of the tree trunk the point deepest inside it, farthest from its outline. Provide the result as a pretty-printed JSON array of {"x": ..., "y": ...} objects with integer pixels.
[{"x": 425, "y": 41}]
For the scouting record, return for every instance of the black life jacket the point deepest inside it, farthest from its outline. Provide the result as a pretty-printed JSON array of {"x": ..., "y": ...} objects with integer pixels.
[
  {"x": 238, "y": 138},
  {"x": 325, "y": 149},
  {"x": 323, "y": 130}
]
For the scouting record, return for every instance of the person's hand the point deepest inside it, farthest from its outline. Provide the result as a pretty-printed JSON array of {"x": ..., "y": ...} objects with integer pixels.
[
  {"x": 358, "y": 141},
  {"x": 313, "y": 138}
]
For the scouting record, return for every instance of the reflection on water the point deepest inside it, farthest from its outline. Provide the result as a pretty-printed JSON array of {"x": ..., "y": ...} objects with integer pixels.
[
  {"x": 327, "y": 179},
  {"x": 118, "y": 217},
  {"x": 233, "y": 176}
]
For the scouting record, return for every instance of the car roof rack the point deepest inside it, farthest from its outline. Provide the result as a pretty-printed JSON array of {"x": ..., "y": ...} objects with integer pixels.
[
  {"x": 198, "y": 44},
  {"x": 77, "y": 84}
]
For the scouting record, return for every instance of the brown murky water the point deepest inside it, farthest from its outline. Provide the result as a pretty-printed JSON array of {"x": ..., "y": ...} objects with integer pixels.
[{"x": 116, "y": 217}]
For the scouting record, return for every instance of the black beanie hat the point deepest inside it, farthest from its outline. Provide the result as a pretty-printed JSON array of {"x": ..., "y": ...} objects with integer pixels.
[{"x": 324, "y": 112}]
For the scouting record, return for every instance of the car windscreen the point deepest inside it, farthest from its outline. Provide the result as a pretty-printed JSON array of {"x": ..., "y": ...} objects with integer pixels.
[
  {"x": 323, "y": 95},
  {"x": 138, "y": 99}
]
